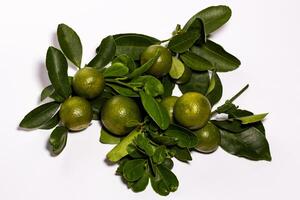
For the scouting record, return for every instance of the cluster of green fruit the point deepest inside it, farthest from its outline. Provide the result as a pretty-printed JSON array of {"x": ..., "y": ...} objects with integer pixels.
[{"x": 128, "y": 87}]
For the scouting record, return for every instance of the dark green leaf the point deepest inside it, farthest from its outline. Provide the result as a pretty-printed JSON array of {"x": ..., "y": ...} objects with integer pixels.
[
  {"x": 196, "y": 62},
  {"x": 167, "y": 177},
  {"x": 168, "y": 86},
  {"x": 70, "y": 44},
  {"x": 159, "y": 155},
  {"x": 134, "y": 152},
  {"x": 221, "y": 60},
  {"x": 213, "y": 18},
  {"x": 57, "y": 67},
  {"x": 141, "y": 184},
  {"x": 49, "y": 91},
  {"x": 144, "y": 143},
  {"x": 182, "y": 42},
  {"x": 105, "y": 53},
  {"x": 159, "y": 186},
  {"x": 233, "y": 125},
  {"x": 123, "y": 90},
  {"x": 152, "y": 85},
  {"x": 107, "y": 138},
  {"x": 199, "y": 82},
  {"x": 228, "y": 108},
  {"x": 133, "y": 44},
  {"x": 215, "y": 90},
  {"x": 51, "y": 123},
  {"x": 126, "y": 60},
  {"x": 58, "y": 139},
  {"x": 185, "y": 137},
  {"x": 250, "y": 144},
  {"x": 98, "y": 102},
  {"x": 142, "y": 69},
  {"x": 157, "y": 112},
  {"x": 198, "y": 26},
  {"x": 164, "y": 140},
  {"x": 168, "y": 163},
  {"x": 121, "y": 163},
  {"x": 40, "y": 115},
  {"x": 134, "y": 169},
  {"x": 177, "y": 68},
  {"x": 182, "y": 154},
  {"x": 116, "y": 70}
]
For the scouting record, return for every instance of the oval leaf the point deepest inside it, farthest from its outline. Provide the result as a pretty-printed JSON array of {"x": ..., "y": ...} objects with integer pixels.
[
  {"x": 70, "y": 43},
  {"x": 40, "y": 115},
  {"x": 198, "y": 26},
  {"x": 58, "y": 139},
  {"x": 196, "y": 62},
  {"x": 213, "y": 18},
  {"x": 168, "y": 86},
  {"x": 185, "y": 138},
  {"x": 141, "y": 184},
  {"x": 116, "y": 70},
  {"x": 158, "y": 113},
  {"x": 177, "y": 68},
  {"x": 167, "y": 177},
  {"x": 51, "y": 123},
  {"x": 221, "y": 60},
  {"x": 107, "y": 138},
  {"x": 250, "y": 144},
  {"x": 133, "y": 170},
  {"x": 57, "y": 68},
  {"x": 199, "y": 82},
  {"x": 215, "y": 90},
  {"x": 122, "y": 90},
  {"x": 133, "y": 44},
  {"x": 152, "y": 85},
  {"x": 182, "y": 42},
  {"x": 105, "y": 53},
  {"x": 126, "y": 60}
]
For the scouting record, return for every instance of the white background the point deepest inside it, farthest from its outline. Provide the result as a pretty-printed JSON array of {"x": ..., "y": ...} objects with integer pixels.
[{"x": 263, "y": 34}]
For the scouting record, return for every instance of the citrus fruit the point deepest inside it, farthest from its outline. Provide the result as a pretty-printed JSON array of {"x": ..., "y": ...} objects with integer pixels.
[
  {"x": 76, "y": 113},
  {"x": 164, "y": 62},
  {"x": 209, "y": 138},
  {"x": 169, "y": 103},
  {"x": 192, "y": 110},
  {"x": 186, "y": 76},
  {"x": 118, "y": 113},
  {"x": 88, "y": 82}
]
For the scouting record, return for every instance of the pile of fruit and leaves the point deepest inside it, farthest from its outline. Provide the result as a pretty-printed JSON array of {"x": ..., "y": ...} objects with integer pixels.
[{"x": 128, "y": 88}]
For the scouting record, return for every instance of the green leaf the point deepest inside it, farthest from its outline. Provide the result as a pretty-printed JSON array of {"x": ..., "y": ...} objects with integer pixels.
[
  {"x": 133, "y": 44},
  {"x": 228, "y": 107},
  {"x": 215, "y": 89},
  {"x": 160, "y": 155},
  {"x": 105, "y": 53},
  {"x": 213, "y": 18},
  {"x": 120, "y": 150},
  {"x": 51, "y": 123},
  {"x": 144, "y": 143},
  {"x": 141, "y": 184},
  {"x": 182, "y": 154},
  {"x": 177, "y": 68},
  {"x": 221, "y": 60},
  {"x": 157, "y": 112},
  {"x": 133, "y": 170},
  {"x": 49, "y": 91},
  {"x": 252, "y": 118},
  {"x": 250, "y": 144},
  {"x": 168, "y": 86},
  {"x": 167, "y": 177},
  {"x": 57, "y": 67},
  {"x": 196, "y": 62},
  {"x": 122, "y": 90},
  {"x": 233, "y": 125},
  {"x": 70, "y": 43},
  {"x": 99, "y": 101},
  {"x": 164, "y": 140},
  {"x": 185, "y": 137},
  {"x": 151, "y": 85},
  {"x": 142, "y": 69},
  {"x": 199, "y": 82},
  {"x": 126, "y": 60},
  {"x": 40, "y": 115},
  {"x": 107, "y": 138},
  {"x": 116, "y": 70},
  {"x": 168, "y": 163},
  {"x": 198, "y": 26},
  {"x": 134, "y": 152},
  {"x": 182, "y": 42},
  {"x": 159, "y": 186},
  {"x": 58, "y": 139}
]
